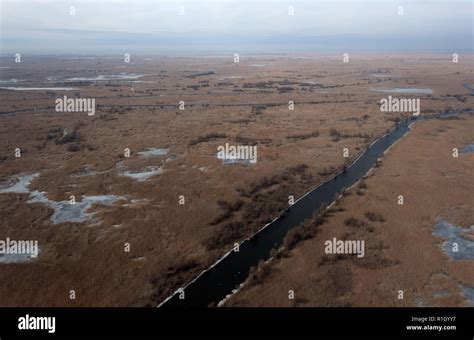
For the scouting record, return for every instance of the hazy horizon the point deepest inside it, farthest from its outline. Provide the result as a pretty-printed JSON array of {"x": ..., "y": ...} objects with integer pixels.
[{"x": 228, "y": 26}]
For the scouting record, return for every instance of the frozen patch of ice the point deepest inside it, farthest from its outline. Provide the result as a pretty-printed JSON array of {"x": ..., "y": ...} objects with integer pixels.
[
  {"x": 144, "y": 175},
  {"x": 468, "y": 148},
  {"x": 420, "y": 302},
  {"x": 9, "y": 81},
  {"x": 18, "y": 258},
  {"x": 441, "y": 293},
  {"x": 39, "y": 88},
  {"x": 64, "y": 211},
  {"x": 200, "y": 168},
  {"x": 136, "y": 201},
  {"x": 101, "y": 77},
  {"x": 151, "y": 170},
  {"x": 385, "y": 75},
  {"x": 468, "y": 294},
  {"x": 139, "y": 201},
  {"x": 454, "y": 234},
  {"x": 230, "y": 77},
  {"x": 172, "y": 157},
  {"x": 154, "y": 152},
  {"x": 470, "y": 88},
  {"x": 408, "y": 90},
  {"x": 19, "y": 184}
]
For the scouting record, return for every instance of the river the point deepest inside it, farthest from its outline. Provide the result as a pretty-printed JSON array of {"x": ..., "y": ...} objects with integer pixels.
[{"x": 214, "y": 284}]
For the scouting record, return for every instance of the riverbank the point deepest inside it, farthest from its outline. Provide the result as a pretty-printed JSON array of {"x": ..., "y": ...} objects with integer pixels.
[
  {"x": 222, "y": 278},
  {"x": 403, "y": 258}
]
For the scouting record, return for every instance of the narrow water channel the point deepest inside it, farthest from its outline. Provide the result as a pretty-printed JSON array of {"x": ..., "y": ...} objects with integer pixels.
[{"x": 218, "y": 281}]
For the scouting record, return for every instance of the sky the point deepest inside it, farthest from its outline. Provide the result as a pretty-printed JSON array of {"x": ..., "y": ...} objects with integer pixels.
[{"x": 163, "y": 26}]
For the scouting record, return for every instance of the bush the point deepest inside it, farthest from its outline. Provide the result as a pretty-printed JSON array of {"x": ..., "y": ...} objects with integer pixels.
[
  {"x": 230, "y": 232},
  {"x": 74, "y": 147},
  {"x": 208, "y": 137},
  {"x": 172, "y": 277},
  {"x": 303, "y": 136},
  {"x": 68, "y": 137},
  {"x": 354, "y": 222},
  {"x": 259, "y": 273},
  {"x": 374, "y": 217},
  {"x": 305, "y": 231},
  {"x": 228, "y": 208}
]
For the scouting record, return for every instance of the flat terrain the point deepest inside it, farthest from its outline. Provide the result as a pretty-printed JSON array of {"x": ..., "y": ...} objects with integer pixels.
[
  {"x": 402, "y": 251},
  {"x": 245, "y": 103}
]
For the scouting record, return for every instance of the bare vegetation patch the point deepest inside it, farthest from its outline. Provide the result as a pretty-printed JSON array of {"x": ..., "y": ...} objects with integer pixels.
[
  {"x": 207, "y": 138},
  {"x": 374, "y": 217},
  {"x": 285, "y": 89},
  {"x": 337, "y": 135},
  {"x": 68, "y": 137},
  {"x": 257, "y": 109},
  {"x": 303, "y": 136},
  {"x": 259, "y": 273},
  {"x": 244, "y": 121},
  {"x": 306, "y": 230},
  {"x": 201, "y": 74},
  {"x": 266, "y": 182},
  {"x": 327, "y": 171},
  {"x": 252, "y": 141},
  {"x": 260, "y": 202},
  {"x": 354, "y": 222},
  {"x": 225, "y": 235},
  {"x": 176, "y": 275},
  {"x": 229, "y": 209}
]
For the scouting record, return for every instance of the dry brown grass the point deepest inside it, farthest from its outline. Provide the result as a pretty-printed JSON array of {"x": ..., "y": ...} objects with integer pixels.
[
  {"x": 89, "y": 257},
  {"x": 401, "y": 253}
]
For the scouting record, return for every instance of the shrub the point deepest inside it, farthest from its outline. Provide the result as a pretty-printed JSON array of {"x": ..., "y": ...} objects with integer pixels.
[
  {"x": 303, "y": 136},
  {"x": 306, "y": 230},
  {"x": 374, "y": 217},
  {"x": 354, "y": 222},
  {"x": 225, "y": 235},
  {"x": 208, "y": 137},
  {"x": 228, "y": 208},
  {"x": 74, "y": 147}
]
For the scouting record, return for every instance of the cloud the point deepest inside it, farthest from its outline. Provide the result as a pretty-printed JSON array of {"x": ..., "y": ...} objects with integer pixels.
[{"x": 42, "y": 22}]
